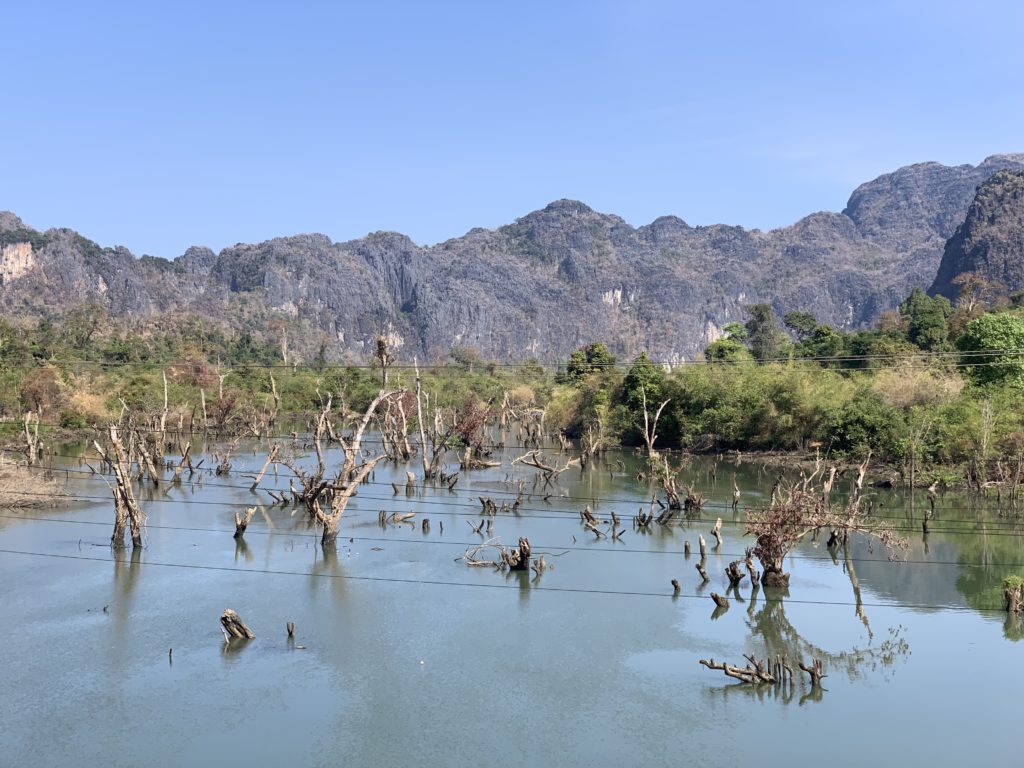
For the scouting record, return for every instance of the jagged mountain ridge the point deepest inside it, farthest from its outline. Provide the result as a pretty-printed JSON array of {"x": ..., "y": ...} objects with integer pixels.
[
  {"x": 538, "y": 287},
  {"x": 990, "y": 242}
]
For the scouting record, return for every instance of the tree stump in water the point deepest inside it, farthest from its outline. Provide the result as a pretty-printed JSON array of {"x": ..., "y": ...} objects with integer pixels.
[
  {"x": 242, "y": 521},
  {"x": 815, "y": 671},
  {"x": 518, "y": 559},
  {"x": 775, "y": 579},
  {"x": 717, "y": 533},
  {"x": 734, "y": 573},
  {"x": 233, "y": 627},
  {"x": 721, "y": 602},
  {"x": 703, "y": 574}
]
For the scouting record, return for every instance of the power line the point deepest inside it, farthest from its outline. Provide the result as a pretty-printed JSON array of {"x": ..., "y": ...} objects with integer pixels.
[
  {"x": 517, "y": 587},
  {"x": 537, "y": 546}
]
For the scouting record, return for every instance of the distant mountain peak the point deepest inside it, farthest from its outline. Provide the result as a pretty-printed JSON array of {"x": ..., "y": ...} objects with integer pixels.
[
  {"x": 10, "y": 222},
  {"x": 990, "y": 242}
]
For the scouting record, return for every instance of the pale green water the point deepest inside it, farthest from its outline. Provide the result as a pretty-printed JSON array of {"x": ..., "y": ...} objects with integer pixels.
[{"x": 594, "y": 663}]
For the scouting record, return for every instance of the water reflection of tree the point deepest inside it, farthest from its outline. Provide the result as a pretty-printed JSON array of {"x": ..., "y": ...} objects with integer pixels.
[
  {"x": 769, "y": 625},
  {"x": 126, "y": 573},
  {"x": 986, "y": 558}
]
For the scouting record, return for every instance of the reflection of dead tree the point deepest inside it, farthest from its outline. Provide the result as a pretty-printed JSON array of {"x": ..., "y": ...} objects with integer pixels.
[
  {"x": 770, "y": 625},
  {"x": 126, "y": 507},
  {"x": 855, "y": 585},
  {"x": 548, "y": 472},
  {"x": 1013, "y": 593},
  {"x": 798, "y": 511}
]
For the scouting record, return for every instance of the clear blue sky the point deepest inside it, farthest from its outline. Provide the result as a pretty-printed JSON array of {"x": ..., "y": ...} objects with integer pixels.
[{"x": 218, "y": 122}]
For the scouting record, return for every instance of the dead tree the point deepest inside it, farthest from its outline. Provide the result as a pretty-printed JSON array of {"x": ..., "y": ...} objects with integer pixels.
[
  {"x": 815, "y": 670},
  {"x": 31, "y": 438},
  {"x": 717, "y": 533},
  {"x": 514, "y": 559},
  {"x": 385, "y": 351},
  {"x": 799, "y": 511},
  {"x": 441, "y": 435},
  {"x": 755, "y": 575},
  {"x": 354, "y": 470},
  {"x": 275, "y": 451},
  {"x": 548, "y": 473},
  {"x": 126, "y": 508},
  {"x": 756, "y": 672},
  {"x": 734, "y": 573},
  {"x": 651, "y": 423},
  {"x": 393, "y": 424},
  {"x": 735, "y": 496},
  {"x": 242, "y": 521},
  {"x": 233, "y": 627}
]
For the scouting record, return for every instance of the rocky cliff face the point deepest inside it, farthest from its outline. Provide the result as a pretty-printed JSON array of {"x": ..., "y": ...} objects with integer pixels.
[
  {"x": 990, "y": 242},
  {"x": 539, "y": 287}
]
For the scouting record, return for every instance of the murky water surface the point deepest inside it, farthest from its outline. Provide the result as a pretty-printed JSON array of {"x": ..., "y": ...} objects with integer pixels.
[{"x": 404, "y": 656}]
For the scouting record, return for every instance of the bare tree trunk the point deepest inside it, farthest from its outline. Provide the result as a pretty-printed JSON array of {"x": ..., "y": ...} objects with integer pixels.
[{"x": 125, "y": 504}]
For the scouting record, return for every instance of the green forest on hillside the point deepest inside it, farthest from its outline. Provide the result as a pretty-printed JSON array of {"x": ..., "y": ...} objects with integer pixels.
[{"x": 934, "y": 390}]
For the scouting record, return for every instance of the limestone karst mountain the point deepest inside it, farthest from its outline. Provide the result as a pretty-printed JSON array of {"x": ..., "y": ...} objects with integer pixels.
[{"x": 538, "y": 287}]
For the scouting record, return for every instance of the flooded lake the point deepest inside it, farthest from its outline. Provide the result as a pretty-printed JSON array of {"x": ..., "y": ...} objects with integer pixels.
[{"x": 403, "y": 655}]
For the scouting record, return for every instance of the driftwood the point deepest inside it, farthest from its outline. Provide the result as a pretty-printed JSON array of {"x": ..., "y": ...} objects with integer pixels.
[
  {"x": 233, "y": 627},
  {"x": 514, "y": 559},
  {"x": 757, "y": 672}
]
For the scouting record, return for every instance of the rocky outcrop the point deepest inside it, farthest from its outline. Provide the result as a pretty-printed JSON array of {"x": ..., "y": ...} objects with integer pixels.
[
  {"x": 539, "y": 287},
  {"x": 990, "y": 242}
]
